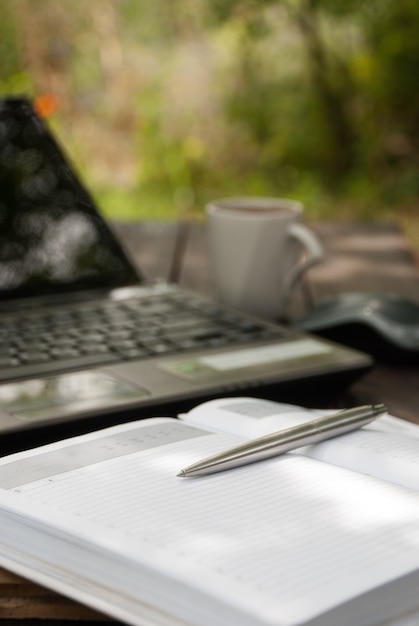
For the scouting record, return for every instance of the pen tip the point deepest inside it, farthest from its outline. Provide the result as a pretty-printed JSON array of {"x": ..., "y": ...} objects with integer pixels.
[
  {"x": 379, "y": 408},
  {"x": 181, "y": 473}
]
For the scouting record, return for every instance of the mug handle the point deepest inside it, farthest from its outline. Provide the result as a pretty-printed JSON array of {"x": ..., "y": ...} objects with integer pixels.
[{"x": 314, "y": 253}]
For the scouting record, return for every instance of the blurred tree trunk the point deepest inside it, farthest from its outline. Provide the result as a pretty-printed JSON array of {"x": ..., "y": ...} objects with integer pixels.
[
  {"x": 109, "y": 44},
  {"x": 332, "y": 83},
  {"x": 44, "y": 45}
]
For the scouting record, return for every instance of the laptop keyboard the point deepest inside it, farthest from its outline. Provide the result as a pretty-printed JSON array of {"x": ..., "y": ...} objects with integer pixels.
[{"x": 109, "y": 332}]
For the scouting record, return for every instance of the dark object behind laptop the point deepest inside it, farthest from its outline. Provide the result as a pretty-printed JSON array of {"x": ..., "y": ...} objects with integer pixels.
[
  {"x": 385, "y": 325},
  {"x": 84, "y": 335}
]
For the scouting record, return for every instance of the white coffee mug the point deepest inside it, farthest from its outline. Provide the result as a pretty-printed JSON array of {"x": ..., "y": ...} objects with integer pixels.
[{"x": 258, "y": 250}]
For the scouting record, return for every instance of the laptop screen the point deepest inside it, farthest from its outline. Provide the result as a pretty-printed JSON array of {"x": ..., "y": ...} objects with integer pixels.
[{"x": 52, "y": 239}]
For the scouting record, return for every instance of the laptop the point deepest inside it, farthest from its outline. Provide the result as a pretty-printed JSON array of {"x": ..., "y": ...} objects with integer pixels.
[{"x": 85, "y": 338}]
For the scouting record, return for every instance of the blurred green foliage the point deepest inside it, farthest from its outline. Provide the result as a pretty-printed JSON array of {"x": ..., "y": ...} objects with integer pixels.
[{"x": 166, "y": 104}]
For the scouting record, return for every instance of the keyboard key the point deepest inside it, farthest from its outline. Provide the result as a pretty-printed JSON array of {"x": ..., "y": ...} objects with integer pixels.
[{"x": 35, "y": 357}]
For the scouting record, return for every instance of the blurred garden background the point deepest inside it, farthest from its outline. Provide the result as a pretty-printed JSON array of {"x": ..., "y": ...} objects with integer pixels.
[{"x": 164, "y": 104}]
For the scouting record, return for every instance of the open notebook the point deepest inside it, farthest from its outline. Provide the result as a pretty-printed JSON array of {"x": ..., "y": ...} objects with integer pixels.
[
  {"x": 83, "y": 333},
  {"x": 289, "y": 541}
]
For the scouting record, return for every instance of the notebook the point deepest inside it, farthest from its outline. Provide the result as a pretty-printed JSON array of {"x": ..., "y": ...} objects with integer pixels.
[
  {"x": 326, "y": 535},
  {"x": 83, "y": 334}
]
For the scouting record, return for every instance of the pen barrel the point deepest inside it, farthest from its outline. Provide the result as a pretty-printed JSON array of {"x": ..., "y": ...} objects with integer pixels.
[
  {"x": 292, "y": 438},
  {"x": 303, "y": 435},
  {"x": 313, "y": 432}
]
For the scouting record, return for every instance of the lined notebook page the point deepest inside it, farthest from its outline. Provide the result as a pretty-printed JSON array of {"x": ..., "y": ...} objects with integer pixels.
[
  {"x": 391, "y": 457},
  {"x": 261, "y": 538},
  {"x": 388, "y": 448},
  {"x": 253, "y": 417},
  {"x": 248, "y": 417}
]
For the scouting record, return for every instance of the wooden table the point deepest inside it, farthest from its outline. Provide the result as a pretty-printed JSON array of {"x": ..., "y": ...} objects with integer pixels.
[{"x": 359, "y": 257}]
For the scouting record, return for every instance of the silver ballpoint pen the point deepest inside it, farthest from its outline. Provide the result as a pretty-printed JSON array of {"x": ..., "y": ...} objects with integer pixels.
[{"x": 288, "y": 439}]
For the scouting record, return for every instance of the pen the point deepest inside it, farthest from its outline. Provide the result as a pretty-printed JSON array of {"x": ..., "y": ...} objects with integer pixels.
[{"x": 288, "y": 439}]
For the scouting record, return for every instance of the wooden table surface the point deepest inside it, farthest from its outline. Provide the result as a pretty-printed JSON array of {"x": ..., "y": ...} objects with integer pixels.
[{"x": 359, "y": 257}]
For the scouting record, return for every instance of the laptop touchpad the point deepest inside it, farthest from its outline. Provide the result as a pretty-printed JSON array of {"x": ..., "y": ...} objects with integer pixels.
[{"x": 44, "y": 398}]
